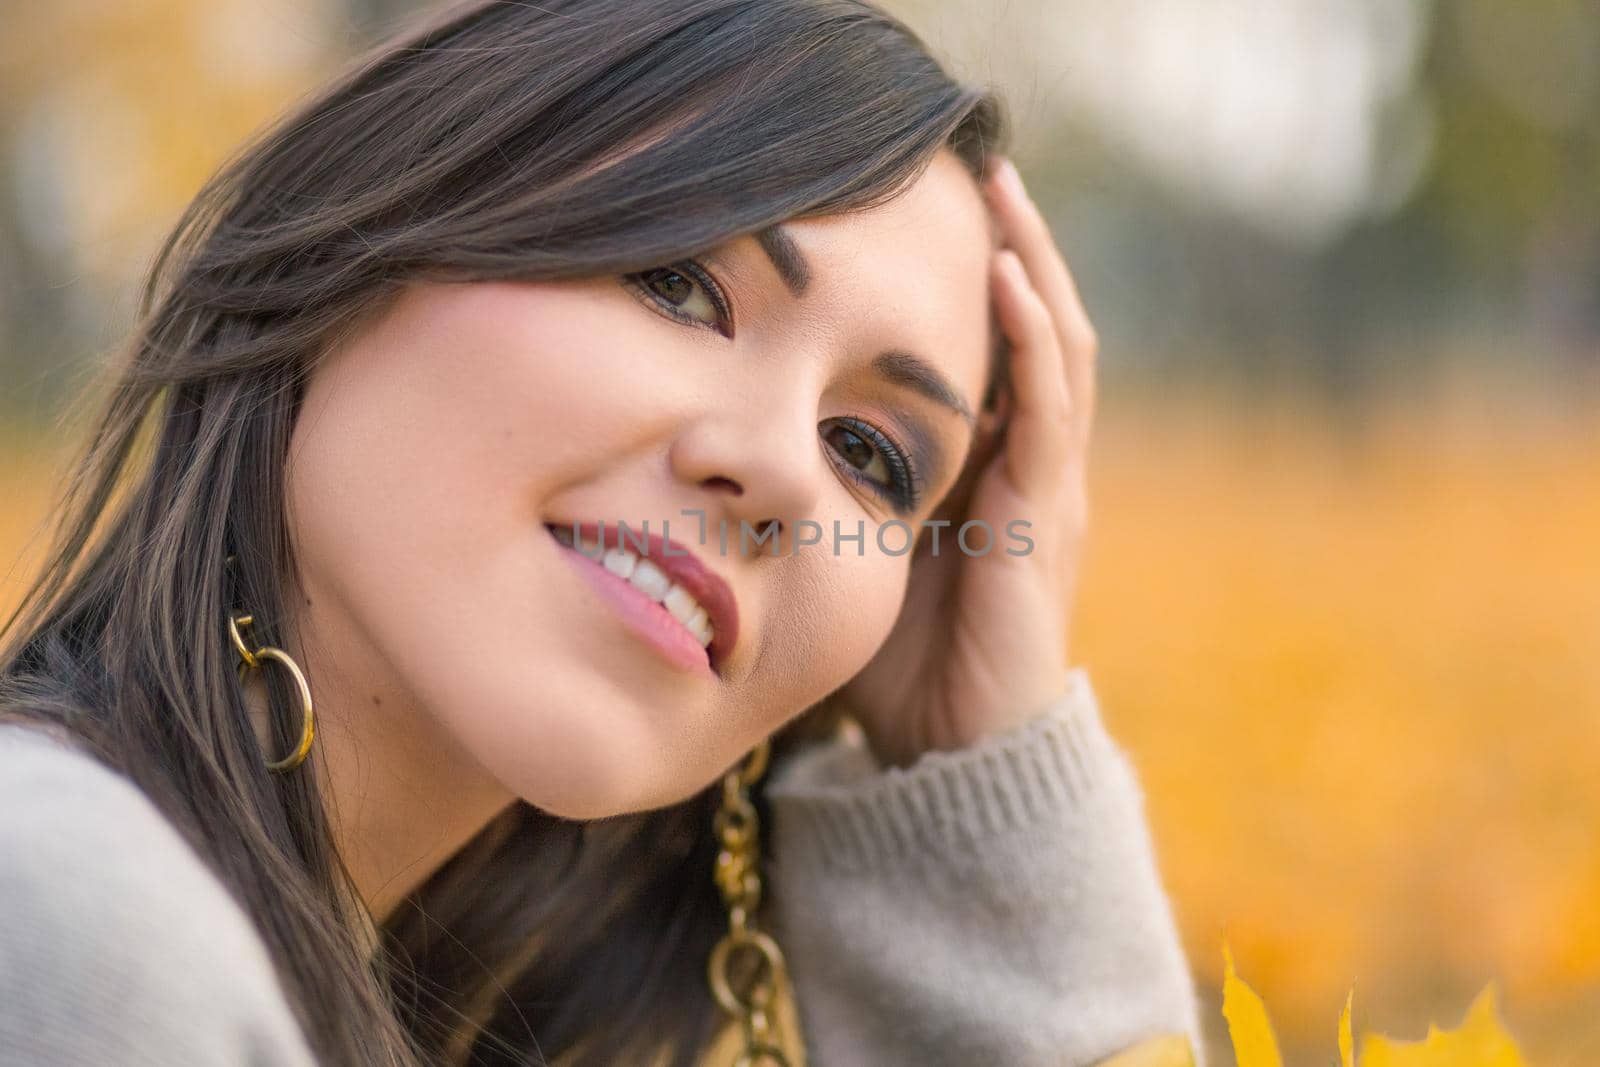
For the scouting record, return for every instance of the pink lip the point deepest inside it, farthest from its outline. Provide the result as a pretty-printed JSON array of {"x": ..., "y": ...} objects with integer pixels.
[{"x": 679, "y": 565}]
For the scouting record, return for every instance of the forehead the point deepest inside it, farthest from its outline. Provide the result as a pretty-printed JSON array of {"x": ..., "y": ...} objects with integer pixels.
[
  {"x": 918, "y": 264},
  {"x": 941, "y": 210}
]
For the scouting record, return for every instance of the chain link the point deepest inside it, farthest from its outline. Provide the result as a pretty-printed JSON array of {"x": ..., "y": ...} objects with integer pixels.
[{"x": 738, "y": 877}]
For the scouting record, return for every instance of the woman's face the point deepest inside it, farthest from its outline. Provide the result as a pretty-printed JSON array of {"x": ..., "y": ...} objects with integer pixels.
[{"x": 435, "y": 451}]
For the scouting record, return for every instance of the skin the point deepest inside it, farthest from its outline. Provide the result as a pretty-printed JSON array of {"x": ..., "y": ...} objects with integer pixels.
[{"x": 460, "y": 662}]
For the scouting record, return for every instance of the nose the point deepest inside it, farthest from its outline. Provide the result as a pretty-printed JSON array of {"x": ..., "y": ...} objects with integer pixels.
[{"x": 757, "y": 468}]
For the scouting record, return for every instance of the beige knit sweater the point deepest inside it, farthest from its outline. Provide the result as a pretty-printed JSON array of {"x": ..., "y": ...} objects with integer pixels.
[{"x": 993, "y": 906}]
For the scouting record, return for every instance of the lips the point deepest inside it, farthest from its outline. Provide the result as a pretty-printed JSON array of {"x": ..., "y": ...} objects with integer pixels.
[{"x": 681, "y": 566}]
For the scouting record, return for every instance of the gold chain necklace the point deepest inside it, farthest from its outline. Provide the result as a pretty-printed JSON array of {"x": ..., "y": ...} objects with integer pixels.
[{"x": 738, "y": 876}]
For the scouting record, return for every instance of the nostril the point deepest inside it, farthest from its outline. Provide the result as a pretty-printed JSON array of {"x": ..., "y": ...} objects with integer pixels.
[{"x": 718, "y": 481}]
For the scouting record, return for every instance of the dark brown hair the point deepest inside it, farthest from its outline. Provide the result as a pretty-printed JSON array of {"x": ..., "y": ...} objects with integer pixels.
[{"x": 495, "y": 140}]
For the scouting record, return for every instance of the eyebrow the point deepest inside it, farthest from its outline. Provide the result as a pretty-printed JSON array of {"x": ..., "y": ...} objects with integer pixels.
[
  {"x": 897, "y": 367},
  {"x": 786, "y": 257},
  {"x": 903, "y": 368}
]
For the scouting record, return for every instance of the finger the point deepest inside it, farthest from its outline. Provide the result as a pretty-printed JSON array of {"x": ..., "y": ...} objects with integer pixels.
[
  {"x": 1025, "y": 230},
  {"x": 1039, "y": 434}
]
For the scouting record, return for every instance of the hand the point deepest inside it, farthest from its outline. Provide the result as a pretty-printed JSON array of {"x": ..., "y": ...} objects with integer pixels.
[{"x": 980, "y": 645}]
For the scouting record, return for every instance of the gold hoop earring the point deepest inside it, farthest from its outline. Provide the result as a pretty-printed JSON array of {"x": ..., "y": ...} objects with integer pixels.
[
  {"x": 738, "y": 877},
  {"x": 250, "y": 659}
]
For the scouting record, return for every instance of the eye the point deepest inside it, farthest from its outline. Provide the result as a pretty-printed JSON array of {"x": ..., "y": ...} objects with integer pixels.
[
  {"x": 685, "y": 292},
  {"x": 874, "y": 460}
]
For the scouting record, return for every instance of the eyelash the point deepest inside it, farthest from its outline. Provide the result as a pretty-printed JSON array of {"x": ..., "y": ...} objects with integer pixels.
[
  {"x": 692, "y": 270},
  {"x": 906, "y": 490}
]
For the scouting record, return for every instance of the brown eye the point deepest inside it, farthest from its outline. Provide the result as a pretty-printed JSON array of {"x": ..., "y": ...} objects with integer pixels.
[
  {"x": 857, "y": 451},
  {"x": 686, "y": 293},
  {"x": 874, "y": 460},
  {"x": 670, "y": 285}
]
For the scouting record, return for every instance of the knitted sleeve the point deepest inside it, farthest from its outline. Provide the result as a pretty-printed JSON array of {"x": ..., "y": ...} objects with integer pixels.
[
  {"x": 999, "y": 904},
  {"x": 117, "y": 945}
]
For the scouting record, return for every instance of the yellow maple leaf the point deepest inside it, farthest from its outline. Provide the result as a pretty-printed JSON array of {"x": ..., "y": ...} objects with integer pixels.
[
  {"x": 1254, "y": 1044},
  {"x": 1347, "y": 1055},
  {"x": 1168, "y": 1050},
  {"x": 1481, "y": 1041}
]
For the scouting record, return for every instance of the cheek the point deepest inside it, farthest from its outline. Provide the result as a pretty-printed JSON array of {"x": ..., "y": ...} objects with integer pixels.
[
  {"x": 406, "y": 445},
  {"x": 838, "y": 615},
  {"x": 450, "y": 421}
]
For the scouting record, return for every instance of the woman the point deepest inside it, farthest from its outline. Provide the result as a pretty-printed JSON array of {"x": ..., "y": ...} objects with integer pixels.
[{"x": 326, "y": 742}]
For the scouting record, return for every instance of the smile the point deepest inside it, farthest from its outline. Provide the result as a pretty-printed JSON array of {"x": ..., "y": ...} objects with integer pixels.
[
  {"x": 695, "y": 604},
  {"x": 650, "y": 580}
]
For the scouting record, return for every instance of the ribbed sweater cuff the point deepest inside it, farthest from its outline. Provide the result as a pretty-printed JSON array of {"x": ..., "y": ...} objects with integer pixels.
[{"x": 837, "y": 808}]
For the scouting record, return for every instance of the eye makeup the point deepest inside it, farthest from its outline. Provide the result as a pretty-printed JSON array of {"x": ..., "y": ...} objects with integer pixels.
[{"x": 906, "y": 485}]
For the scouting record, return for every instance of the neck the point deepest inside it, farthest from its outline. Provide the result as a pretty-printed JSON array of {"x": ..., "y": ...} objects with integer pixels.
[{"x": 401, "y": 796}]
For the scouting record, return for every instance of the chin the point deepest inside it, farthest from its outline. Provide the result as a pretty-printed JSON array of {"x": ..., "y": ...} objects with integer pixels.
[
  {"x": 583, "y": 802},
  {"x": 593, "y": 771}
]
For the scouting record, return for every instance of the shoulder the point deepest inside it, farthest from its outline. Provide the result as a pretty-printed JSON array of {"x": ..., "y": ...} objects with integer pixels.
[
  {"x": 74, "y": 832},
  {"x": 117, "y": 943}
]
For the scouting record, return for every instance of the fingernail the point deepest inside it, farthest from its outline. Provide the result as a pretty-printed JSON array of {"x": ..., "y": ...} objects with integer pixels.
[
  {"x": 997, "y": 172},
  {"x": 1011, "y": 178}
]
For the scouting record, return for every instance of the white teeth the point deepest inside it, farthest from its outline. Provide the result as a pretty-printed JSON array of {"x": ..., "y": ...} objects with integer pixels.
[
  {"x": 649, "y": 579},
  {"x": 700, "y": 625},
  {"x": 680, "y": 603}
]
